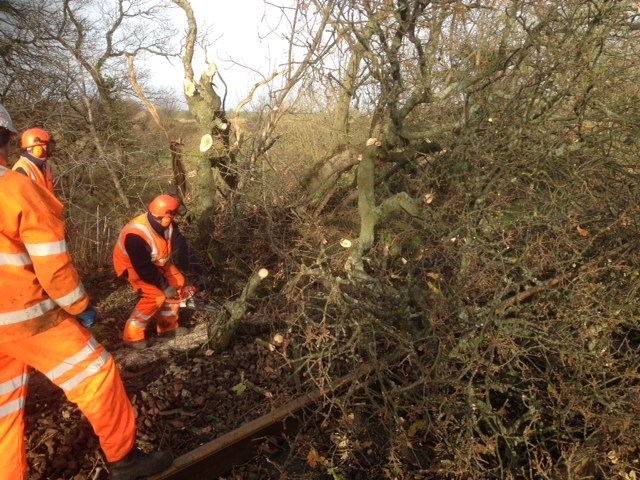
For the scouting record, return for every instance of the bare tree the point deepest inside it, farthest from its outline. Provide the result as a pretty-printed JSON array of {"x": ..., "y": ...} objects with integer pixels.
[
  {"x": 215, "y": 173},
  {"x": 421, "y": 56},
  {"x": 83, "y": 45}
]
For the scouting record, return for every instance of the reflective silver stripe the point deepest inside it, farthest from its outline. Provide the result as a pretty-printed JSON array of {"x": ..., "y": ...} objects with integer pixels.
[
  {"x": 139, "y": 319},
  {"x": 70, "y": 362},
  {"x": 12, "y": 407},
  {"x": 15, "y": 259},
  {"x": 14, "y": 384},
  {"x": 72, "y": 297},
  {"x": 147, "y": 233},
  {"x": 3, "y": 170},
  {"x": 121, "y": 245},
  {"x": 45, "y": 249},
  {"x": 168, "y": 313},
  {"x": 125, "y": 232},
  {"x": 28, "y": 166},
  {"x": 32, "y": 170},
  {"x": 150, "y": 238},
  {"x": 34, "y": 311},
  {"x": 139, "y": 314},
  {"x": 170, "y": 307},
  {"x": 93, "y": 368}
]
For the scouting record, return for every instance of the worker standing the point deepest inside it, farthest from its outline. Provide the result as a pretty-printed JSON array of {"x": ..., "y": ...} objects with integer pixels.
[
  {"x": 37, "y": 148},
  {"x": 42, "y": 296},
  {"x": 149, "y": 250}
]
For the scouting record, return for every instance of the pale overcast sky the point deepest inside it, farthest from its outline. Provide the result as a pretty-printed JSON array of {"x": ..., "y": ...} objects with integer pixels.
[{"x": 235, "y": 30}]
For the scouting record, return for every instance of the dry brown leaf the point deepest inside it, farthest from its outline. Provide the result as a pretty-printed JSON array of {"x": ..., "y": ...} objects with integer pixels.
[
  {"x": 312, "y": 458},
  {"x": 582, "y": 232},
  {"x": 177, "y": 424},
  {"x": 416, "y": 427}
]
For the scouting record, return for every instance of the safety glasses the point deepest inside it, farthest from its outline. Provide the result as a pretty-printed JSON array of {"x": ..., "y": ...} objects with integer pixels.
[{"x": 176, "y": 212}]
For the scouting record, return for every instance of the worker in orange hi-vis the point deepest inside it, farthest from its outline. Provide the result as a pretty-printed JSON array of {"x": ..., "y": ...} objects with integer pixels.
[
  {"x": 41, "y": 302},
  {"x": 144, "y": 254},
  {"x": 37, "y": 148}
]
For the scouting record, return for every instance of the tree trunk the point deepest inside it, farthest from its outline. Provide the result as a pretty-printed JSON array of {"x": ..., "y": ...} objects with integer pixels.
[
  {"x": 177, "y": 166},
  {"x": 222, "y": 331},
  {"x": 345, "y": 96},
  {"x": 366, "y": 194},
  {"x": 207, "y": 108}
]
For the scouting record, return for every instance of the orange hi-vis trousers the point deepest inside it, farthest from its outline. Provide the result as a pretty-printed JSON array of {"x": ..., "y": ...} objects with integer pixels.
[
  {"x": 152, "y": 302},
  {"x": 72, "y": 359}
]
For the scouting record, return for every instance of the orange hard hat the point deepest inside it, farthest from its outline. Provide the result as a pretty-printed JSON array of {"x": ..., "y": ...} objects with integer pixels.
[
  {"x": 164, "y": 205},
  {"x": 35, "y": 137}
]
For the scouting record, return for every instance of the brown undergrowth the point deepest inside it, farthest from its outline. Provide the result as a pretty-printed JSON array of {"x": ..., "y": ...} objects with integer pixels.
[{"x": 501, "y": 331}]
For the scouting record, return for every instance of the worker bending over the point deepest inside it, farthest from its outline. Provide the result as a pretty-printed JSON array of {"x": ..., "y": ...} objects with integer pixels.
[{"x": 148, "y": 252}]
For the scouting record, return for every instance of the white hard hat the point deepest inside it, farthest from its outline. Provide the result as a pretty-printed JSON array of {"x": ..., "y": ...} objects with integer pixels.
[{"x": 5, "y": 120}]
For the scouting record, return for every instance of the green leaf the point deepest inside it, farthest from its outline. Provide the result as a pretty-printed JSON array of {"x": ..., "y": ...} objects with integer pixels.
[{"x": 239, "y": 388}]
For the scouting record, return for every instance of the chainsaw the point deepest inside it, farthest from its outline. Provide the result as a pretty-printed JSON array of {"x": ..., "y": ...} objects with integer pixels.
[{"x": 187, "y": 299}]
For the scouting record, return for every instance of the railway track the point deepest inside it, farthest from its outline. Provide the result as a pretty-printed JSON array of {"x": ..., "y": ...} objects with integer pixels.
[{"x": 217, "y": 457}]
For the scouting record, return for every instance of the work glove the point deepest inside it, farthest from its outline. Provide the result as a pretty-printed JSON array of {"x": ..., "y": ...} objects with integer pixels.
[
  {"x": 88, "y": 317},
  {"x": 188, "y": 291},
  {"x": 170, "y": 292}
]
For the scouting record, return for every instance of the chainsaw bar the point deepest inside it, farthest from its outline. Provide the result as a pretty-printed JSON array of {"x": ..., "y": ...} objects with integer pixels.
[
  {"x": 187, "y": 299},
  {"x": 200, "y": 305}
]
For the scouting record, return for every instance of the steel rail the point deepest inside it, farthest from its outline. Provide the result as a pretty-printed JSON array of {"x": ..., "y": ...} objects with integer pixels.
[{"x": 217, "y": 457}]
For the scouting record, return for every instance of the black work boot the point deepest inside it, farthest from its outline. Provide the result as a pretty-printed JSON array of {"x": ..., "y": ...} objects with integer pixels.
[{"x": 139, "y": 465}]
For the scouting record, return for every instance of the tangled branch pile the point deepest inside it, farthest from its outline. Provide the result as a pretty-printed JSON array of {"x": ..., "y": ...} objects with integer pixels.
[
  {"x": 501, "y": 321},
  {"x": 503, "y": 329}
]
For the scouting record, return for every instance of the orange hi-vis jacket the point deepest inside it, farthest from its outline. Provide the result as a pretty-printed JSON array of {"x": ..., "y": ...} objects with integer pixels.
[
  {"x": 39, "y": 284},
  {"x": 45, "y": 179},
  {"x": 160, "y": 246}
]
